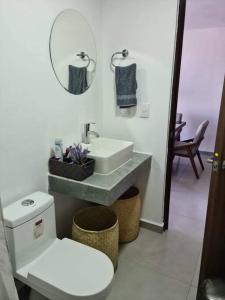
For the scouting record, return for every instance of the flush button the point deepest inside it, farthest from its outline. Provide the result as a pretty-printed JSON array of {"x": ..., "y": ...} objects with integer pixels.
[{"x": 27, "y": 202}]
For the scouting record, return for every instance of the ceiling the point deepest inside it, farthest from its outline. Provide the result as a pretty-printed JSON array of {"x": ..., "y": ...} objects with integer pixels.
[{"x": 205, "y": 14}]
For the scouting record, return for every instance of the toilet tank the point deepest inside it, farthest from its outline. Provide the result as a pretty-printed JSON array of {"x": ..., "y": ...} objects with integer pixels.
[{"x": 30, "y": 227}]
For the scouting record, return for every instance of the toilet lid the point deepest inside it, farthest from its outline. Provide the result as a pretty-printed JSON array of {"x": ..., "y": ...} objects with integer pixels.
[{"x": 72, "y": 269}]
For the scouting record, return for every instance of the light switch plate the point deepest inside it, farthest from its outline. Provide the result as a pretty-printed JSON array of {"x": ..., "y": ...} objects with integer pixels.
[{"x": 144, "y": 110}]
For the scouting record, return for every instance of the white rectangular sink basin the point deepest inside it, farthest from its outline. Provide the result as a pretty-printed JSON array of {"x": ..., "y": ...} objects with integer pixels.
[{"x": 109, "y": 154}]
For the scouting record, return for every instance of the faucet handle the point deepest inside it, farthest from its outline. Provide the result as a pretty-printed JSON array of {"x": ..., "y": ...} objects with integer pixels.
[
  {"x": 89, "y": 123},
  {"x": 87, "y": 127}
]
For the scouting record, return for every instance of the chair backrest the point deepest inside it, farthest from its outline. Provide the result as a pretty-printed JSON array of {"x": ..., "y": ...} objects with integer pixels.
[
  {"x": 199, "y": 135},
  {"x": 179, "y": 117}
]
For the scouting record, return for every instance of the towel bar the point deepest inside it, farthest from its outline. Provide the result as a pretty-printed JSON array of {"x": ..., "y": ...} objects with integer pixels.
[
  {"x": 124, "y": 54},
  {"x": 82, "y": 55}
]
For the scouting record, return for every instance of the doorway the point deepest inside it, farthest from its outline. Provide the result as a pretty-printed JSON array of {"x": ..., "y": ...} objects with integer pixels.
[{"x": 196, "y": 95}]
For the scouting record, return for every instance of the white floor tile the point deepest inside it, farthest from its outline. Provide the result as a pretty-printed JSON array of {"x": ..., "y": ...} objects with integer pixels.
[
  {"x": 138, "y": 282},
  {"x": 166, "y": 266}
]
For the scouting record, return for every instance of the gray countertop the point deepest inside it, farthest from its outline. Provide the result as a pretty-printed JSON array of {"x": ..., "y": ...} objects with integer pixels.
[{"x": 103, "y": 189}]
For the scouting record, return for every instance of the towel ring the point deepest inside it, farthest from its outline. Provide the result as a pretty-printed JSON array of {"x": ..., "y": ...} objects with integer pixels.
[
  {"x": 124, "y": 54},
  {"x": 82, "y": 55}
]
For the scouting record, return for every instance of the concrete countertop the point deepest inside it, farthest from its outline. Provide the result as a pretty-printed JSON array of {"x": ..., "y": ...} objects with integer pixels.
[{"x": 103, "y": 189}]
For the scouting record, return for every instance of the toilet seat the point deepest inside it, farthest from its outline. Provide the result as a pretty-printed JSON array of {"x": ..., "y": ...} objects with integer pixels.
[{"x": 70, "y": 270}]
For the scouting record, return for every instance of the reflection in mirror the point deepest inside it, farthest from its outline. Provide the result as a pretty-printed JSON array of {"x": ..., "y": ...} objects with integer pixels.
[{"x": 73, "y": 51}]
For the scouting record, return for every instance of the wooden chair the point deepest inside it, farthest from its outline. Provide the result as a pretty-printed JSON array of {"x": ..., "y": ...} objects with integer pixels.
[
  {"x": 190, "y": 148},
  {"x": 179, "y": 117}
]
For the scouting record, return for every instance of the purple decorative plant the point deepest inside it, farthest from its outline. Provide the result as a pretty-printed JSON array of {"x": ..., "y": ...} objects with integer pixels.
[{"x": 78, "y": 154}]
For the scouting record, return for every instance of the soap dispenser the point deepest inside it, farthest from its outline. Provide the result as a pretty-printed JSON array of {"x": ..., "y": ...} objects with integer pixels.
[{"x": 58, "y": 149}]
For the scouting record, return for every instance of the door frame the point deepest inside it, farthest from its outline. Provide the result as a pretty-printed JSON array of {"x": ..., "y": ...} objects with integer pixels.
[
  {"x": 173, "y": 108},
  {"x": 213, "y": 252}
]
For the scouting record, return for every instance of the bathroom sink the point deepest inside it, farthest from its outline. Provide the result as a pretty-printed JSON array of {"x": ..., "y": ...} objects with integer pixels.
[{"x": 109, "y": 154}]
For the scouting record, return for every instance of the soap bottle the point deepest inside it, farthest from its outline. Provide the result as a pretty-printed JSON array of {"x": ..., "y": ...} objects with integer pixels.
[{"x": 58, "y": 149}]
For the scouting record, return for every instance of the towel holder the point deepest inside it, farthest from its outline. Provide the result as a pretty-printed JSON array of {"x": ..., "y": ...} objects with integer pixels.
[
  {"x": 82, "y": 55},
  {"x": 124, "y": 54}
]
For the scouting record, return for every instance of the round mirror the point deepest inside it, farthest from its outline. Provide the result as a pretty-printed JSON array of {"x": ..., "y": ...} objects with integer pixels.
[{"x": 73, "y": 51}]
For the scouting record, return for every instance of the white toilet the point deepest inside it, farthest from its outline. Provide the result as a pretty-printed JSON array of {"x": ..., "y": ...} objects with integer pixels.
[{"x": 57, "y": 269}]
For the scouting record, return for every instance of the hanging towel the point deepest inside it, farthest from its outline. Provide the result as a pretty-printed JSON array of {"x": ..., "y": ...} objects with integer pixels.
[
  {"x": 126, "y": 86},
  {"x": 77, "y": 80}
]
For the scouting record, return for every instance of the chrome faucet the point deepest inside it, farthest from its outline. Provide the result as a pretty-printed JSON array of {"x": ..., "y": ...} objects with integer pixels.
[{"x": 88, "y": 132}]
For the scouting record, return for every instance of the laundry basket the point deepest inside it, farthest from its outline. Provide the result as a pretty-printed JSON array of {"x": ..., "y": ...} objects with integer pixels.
[
  {"x": 127, "y": 209},
  {"x": 97, "y": 227}
]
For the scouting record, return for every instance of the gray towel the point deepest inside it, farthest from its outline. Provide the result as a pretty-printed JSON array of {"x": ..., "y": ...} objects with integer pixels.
[
  {"x": 77, "y": 80},
  {"x": 126, "y": 86}
]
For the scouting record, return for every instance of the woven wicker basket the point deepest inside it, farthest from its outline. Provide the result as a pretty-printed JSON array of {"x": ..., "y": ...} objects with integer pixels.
[
  {"x": 98, "y": 227},
  {"x": 127, "y": 209}
]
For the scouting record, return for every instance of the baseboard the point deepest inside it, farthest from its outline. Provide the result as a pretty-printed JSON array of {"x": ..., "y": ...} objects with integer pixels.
[
  {"x": 153, "y": 226},
  {"x": 206, "y": 153}
]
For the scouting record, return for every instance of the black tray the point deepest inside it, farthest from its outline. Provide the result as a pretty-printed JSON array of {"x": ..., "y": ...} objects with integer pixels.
[{"x": 70, "y": 170}]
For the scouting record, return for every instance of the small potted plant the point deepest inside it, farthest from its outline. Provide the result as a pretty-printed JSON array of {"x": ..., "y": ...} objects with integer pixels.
[{"x": 75, "y": 165}]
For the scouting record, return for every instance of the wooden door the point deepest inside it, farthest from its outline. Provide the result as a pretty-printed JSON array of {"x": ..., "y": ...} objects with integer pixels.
[{"x": 213, "y": 255}]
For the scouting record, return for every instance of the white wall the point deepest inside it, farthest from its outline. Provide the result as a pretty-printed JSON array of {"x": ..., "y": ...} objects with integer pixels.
[
  {"x": 147, "y": 29},
  {"x": 201, "y": 83},
  {"x": 34, "y": 109}
]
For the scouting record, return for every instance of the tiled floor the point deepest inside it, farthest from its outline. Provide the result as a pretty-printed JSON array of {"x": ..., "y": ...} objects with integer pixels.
[{"x": 166, "y": 266}]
